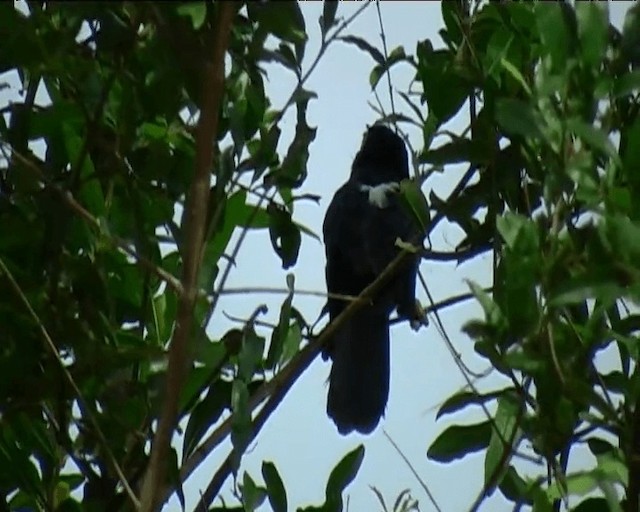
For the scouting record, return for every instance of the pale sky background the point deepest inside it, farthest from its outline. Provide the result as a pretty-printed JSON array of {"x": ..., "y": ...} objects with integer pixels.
[{"x": 299, "y": 438}]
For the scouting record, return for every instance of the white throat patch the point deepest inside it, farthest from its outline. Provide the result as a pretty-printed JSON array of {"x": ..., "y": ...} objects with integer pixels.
[{"x": 378, "y": 193}]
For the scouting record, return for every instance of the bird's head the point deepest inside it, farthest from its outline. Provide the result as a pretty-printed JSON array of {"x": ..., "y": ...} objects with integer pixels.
[{"x": 382, "y": 157}]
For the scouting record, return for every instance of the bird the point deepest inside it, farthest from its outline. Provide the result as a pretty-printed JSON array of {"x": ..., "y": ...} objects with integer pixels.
[{"x": 361, "y": 226}]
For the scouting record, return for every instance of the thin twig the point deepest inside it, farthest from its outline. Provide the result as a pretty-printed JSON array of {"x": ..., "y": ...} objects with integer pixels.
[
  {"x": 285, "y": 291},
  {"x": 194, "y": 220},
  {"x": 386, "y": 56},
  {"x": 415, "y": 473},
  {"x": 82, "y": 403}
]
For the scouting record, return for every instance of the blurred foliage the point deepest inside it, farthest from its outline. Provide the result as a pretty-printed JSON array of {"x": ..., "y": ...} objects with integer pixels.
[{"x": 91, "y": 227}]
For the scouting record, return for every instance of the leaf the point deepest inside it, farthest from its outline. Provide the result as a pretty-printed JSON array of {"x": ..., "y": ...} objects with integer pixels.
[
  {"x": 518, "y": 231},
  {"x": 250, "y": 354},
  {"x": 275, "y": 488},
  {"x": 365, "y": 47},
  {"x": 518, "y": 118},
  {"x": 328, "y": 18},
  {"x": 498, "y": 455},
  {"x": 284, "y": 234},
  {"x": 252, "y": 495},
  {"x": 491, "y": 309},
  {"x": 451, "y": 12},
  {"x": 281, "y": 331},
  {"x": 514, "y": 488},
  {"x": 396, "y": 55},
  {"x": 457, "y": 441},
  {"x": 282, "y": 19},
  {"x": 592, "y": 505},
  {"x": 413, "y": 200},
  {"x": 444, "y": 89},
  {"x": 204, "y": 415},
  {"x": 593, "y": 31},
  {"x": 241, "y": 419},
  {"x": 459, "y": 150},
  {"x": 197, "y": 11},
  {"x": 553, "y": 33},
  {"x": 595, "y": 137},
  {"x": 342, "y": 475},
  {"x": 626, "y": 84},
  {"x": 463, "y": 399}
]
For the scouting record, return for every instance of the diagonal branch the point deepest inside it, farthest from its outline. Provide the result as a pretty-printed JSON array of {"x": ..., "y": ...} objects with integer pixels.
[
  {"x": 194, "y": 220},
  {"x": 278, "y": 387}
]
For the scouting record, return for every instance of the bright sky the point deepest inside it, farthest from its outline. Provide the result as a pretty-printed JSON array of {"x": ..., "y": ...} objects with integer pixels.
[{"x": 299, "y": 438}]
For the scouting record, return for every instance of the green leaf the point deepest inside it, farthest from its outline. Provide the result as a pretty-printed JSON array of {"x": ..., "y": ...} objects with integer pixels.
[
  {"x": 250, "y": 354},
  {"x": 241, "y": 424},
  {"x": 342, "y": 475},
  {"x": 592, "y": 505},
  {"x": 396, "y": 55},
  {"x": 492, "y": 311},
  {"x": 204, "y": 415},
  {"x": 514, "y": 488},
  {"x": 282, "y": 19},
  {"x": 365, "y": 47},
  {"x": 413, "y": 200},
  {"x": 281, "y": 331},
  {"x": 518, "y": 231},
  {"x": 553, "y": 32},
  {"x": 252, "y": 495},
  {"x": 458, "y": 441},
  {"x": 284, "y": 234},
  {"x": 444, "y": 89},
  {"x": 275, "y": 488},
  {"x": 518, "y": 118},
  {"x": 451, "y": 13},
  {"x": 498, "y": 454},
  {"x": 593, "y": 31},
  {"x": 463, "y": 399},
  {"x": 197, "y": 11},
  {"x": 328, "y": 18},
  {"x": 595, "y": 137}
]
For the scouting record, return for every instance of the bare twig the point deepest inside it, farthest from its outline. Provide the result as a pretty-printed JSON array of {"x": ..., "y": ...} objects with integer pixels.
[
  {"x": 386, "y": 56},
  {"x": 413, "y": 470},
  {"x": 82, "y": 403},
  {"x": 285, "y": 291},
  {"x": 194, "y": 220}
]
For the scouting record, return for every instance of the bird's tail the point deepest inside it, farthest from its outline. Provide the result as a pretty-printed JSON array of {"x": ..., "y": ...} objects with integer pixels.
[{"x": 359, "y": 380}]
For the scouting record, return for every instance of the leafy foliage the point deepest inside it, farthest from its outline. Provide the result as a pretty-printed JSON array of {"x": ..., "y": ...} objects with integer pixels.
[{"x": 100, "y": 156}]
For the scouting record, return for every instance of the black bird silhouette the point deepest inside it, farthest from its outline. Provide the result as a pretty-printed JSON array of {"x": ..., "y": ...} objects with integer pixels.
[{"x": 360, "y": 229}]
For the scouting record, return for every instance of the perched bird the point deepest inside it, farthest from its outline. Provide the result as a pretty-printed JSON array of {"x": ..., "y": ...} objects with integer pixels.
[{"x": 360, "y": 230}]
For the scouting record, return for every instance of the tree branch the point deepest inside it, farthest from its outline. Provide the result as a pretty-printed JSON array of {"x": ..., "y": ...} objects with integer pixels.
[
  {"x": 280, "y": 384},
  {"x": 194, "y": 220}
]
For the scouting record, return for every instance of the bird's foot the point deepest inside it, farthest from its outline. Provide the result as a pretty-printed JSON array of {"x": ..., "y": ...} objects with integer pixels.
[{"x": 419, "y": 317}]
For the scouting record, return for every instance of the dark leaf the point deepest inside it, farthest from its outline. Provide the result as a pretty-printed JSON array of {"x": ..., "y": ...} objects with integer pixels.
[
  {"x": 275, "y": 488},
  {"x": 457, "y": 441},
  {"x": 365, "y": 47}
]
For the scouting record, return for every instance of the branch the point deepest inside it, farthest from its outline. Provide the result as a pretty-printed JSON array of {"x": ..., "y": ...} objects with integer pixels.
[
  {"x": 194, "y": 220},
  {"x": 459, "y": 256},
  {"x": 82, "y": 403},
  {"x": 280, "y": 384}
]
